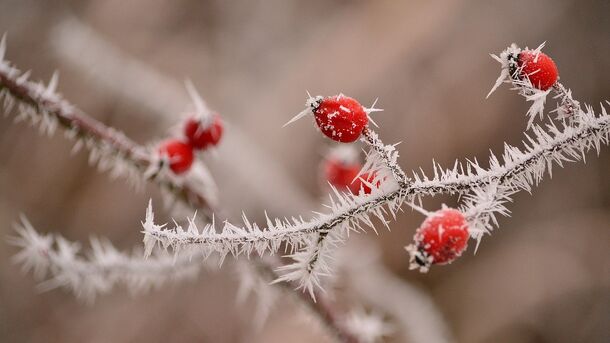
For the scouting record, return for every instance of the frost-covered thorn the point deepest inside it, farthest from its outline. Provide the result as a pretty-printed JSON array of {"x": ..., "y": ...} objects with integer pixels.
[
  {"x": 311, "y": 104},
  {"x": 52, "y": 86},
  {"x": 372, "y": 109},
  {"x": 200, "y": 106},
  {"x": 2, "y": 46}
]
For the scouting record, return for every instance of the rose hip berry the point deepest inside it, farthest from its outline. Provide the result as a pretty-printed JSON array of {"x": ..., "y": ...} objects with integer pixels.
[
  {"x": 341, "y": 173},
  {"x": 201, "y": 135},
  {"x": 441, "y": 238},
  {"x": 179, "y": 155},
  {"x": 340, "y": 118},
  {"x": 539, "y": 68}
]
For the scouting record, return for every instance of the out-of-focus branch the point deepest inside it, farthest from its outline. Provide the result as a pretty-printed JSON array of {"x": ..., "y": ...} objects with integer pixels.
[
  {"x": 109, "y": 148},
  {"x": 59, "y": 261},
  {"x": 126, "y": 77}
]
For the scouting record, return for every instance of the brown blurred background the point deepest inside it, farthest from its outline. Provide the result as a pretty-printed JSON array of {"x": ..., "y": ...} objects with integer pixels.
[{"x": 542, "y": 277}]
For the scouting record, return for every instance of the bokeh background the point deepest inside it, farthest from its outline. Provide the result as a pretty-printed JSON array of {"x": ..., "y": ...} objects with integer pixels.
[{"x": 543, "y": 276}]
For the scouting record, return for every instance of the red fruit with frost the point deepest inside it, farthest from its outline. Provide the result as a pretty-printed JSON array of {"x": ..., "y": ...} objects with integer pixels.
[
  {"x": 201, "y": 134},
  {"x": 539, "y": 68},
  {"x": 358, "y": 184},
  {"x": 441, "y": 238},
  {"x": 340, "y": 118},
  {"x": 340, "y": 173},
  {"x": 178, "y": 153}
]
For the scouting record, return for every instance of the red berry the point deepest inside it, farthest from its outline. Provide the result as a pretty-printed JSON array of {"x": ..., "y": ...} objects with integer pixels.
[
  {"x": 201, "y": 134},
  {"x": 539, "y": 68},
  {"x": 358, "y": 184},
  {"x": 179, "y": 154},
  {"x": 340, "y": 173},
  {"x": 441, "y": 238},
  {"x": 340, "y": 118}
]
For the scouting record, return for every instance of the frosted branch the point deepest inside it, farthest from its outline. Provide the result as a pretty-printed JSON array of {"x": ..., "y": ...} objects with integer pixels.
[
  {"x": 58, "y": 262},
  {"x": 388, "y": 153},
  {"x": 520, "y": 169}
]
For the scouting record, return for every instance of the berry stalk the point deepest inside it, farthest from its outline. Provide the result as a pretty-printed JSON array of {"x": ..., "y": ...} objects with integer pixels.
[{"x": 388, "y": 153}]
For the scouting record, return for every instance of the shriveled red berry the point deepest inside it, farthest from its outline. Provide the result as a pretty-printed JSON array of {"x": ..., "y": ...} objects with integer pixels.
[
  {"x": 201, "y": 134},
  {"x": 539, "y": 68},
  {"x": 341, "y": 173},
  {"x": 441, "y": 238},
  {"x": 358, "y": 184},
  {"x": 178, "y": 153},
  {"x": 340, "y": 118}
]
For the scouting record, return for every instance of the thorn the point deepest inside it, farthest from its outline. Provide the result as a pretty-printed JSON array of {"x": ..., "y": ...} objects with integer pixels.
[
  {"x": 372, "y": 108},
  {"x": 200, "y": 106},
  {"x": 24, "y": 77},
  {"x": 301, "y": 114},
  {"x": 2, "y": 46},
  {"x": 52, "y": 86}
]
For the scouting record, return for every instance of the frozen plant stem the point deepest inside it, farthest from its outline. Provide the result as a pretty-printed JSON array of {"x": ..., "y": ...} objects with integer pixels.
[
  {"x": 58, "y": 260},
  {"x": 521, "y": 169},
  {"x": 569, "y": 106},
  {"x": 486, "y": 189},
  {"x": 389, "y": 155}
]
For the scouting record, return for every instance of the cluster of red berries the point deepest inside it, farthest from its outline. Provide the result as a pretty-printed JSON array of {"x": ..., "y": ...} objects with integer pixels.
[
  {"x": 441, "y": 238},
  {"x": 537, "y": 66},
  {"x": 199, "y": 134}
]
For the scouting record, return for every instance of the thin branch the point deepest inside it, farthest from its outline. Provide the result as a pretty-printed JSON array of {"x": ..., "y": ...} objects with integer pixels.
[
  {"x": 568, "y": 107},
  {"x": 388, "y": 153},
  {"x": 104, "y": 268}
]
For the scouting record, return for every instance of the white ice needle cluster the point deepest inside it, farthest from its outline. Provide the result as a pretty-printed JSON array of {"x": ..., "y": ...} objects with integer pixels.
[{"x": 57, "y": 261}]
